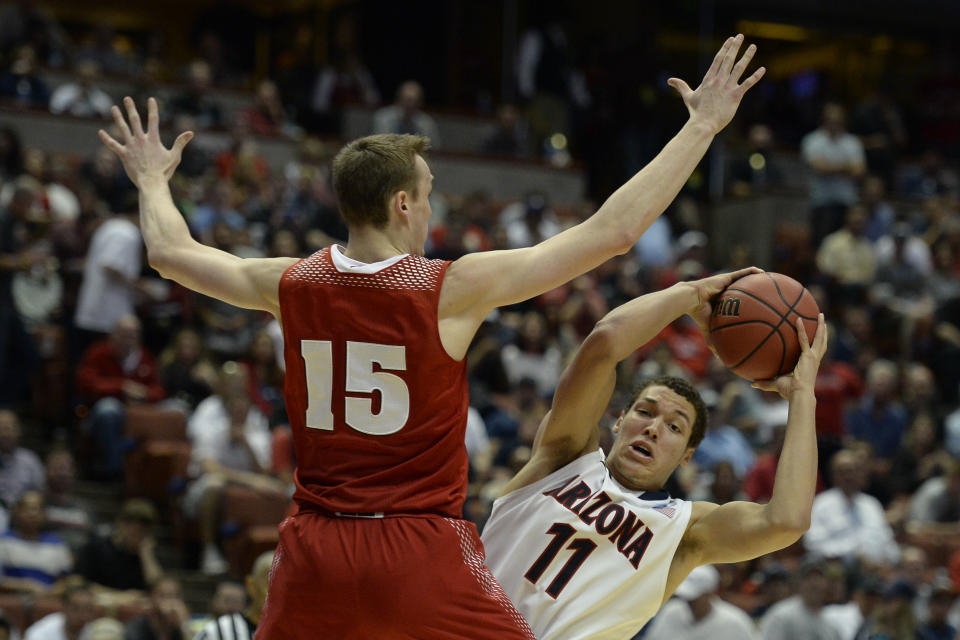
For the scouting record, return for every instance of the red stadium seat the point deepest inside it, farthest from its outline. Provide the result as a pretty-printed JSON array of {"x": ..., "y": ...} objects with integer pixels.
[
  {"x": 158, "y": 453},
  {"x": 250, "y": 520}
]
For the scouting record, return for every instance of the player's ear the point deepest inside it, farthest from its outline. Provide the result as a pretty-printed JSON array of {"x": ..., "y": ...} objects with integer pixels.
[
  {"x": 401, "y": 201},
  {"x": 686, "y": 456},
  {"x": 616, "y": 425}
]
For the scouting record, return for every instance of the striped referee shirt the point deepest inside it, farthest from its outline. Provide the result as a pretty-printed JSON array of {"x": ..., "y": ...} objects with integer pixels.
[{"x": 232, "y": 626}]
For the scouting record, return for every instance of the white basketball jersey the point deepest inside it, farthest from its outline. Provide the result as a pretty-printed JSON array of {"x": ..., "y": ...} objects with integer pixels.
[{"x": 582, "y": 556}]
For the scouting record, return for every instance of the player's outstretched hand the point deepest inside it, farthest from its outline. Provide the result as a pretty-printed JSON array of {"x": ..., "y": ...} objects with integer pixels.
[
  {"x": 804, "y": 375},
  {"x": 142, "y": 153},
  {"x": 716, "y": 100}
]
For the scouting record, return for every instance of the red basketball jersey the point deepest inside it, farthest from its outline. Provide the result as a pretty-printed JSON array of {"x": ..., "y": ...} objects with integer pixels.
[{"x": 377, "y": 407}]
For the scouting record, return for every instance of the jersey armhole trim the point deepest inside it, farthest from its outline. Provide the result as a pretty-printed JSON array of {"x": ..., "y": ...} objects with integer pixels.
[{"x": 573, "y": 468}]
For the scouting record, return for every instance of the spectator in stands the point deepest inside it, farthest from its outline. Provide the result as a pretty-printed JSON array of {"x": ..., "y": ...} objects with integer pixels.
[
  {"x": 903, "y": 262},
  {"x": 82, "y": 97},
  {"x": 845, "y": 522},
  {"x": 344, "y": 81},
  {"x": 231, "y": 444},
  {"x": 110, "y": 275},
  {"x": 697, "y": 612},
  {"x": 720, "y": 484},
  {"x": 936, "y": 627},
  {"x": 848, "y": 258},
  {"x": 758, "y": 483},
  {"x": 529, "y": 221},
  {"x": 800, "y": 616},
  {"x": 929, "y": 177},
  {"x": 837, "y": 160},
  {"x": 229, "y": 597},
  {"x": 893, "y": 616},
  {"x": 847, "y": 618},
  {"x": 18, "y": 254},
  {"x": 535, "y": 355},
  {"x": 103, "y": 629},
  {"x": 68, "y": 624},
  {"x": 880, "y": 419},
  {"x": 722, "y": 442},
  {"x": 11, "y": 154},
  {"x": 22, "y": 83},
  {"x": 113, "y": 372},
  {"x": 196, "y": 101},
  {"x": 943, "y": 283},
  {"x": 405, "y": 115},
  {"x": 242, "y": 626},
  {"x": 754, "y": 170},
  {"x": 168, "y": 617},
  {"x": 31, "y": 560},
  {"x": 266, "y": 116},
  {"x": 880, "y": 215},
  {"x": 508, "y": 137},
  {"x": 547, "y": 78},
  {"x": 66, "y": 515},
  {"x": 919, "y": 459},
  {"x": 99, "y": 47},
  {"x": 266, "y": 377},
  {"x": 20, "y": 468},
  {"x": 935, "y": 508},
  {"x": 220, "y": 206},
  {"x": 123, "y": 566},
  {"x": 111, "y": 185},
  {"x": 186, "y": 372}
]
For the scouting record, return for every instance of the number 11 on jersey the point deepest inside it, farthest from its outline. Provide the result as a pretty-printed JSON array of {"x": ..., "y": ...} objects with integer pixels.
[{"x": 361, "y": 378}]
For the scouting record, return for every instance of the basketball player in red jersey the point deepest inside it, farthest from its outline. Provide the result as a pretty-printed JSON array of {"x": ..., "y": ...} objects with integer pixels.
[{"x": 375, "y": 339}]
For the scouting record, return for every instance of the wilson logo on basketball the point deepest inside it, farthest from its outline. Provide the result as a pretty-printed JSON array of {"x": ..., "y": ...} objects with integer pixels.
[{"x": 727, "y": 307}]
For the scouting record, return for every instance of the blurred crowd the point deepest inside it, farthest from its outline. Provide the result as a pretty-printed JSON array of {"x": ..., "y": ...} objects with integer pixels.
[{"x": 90, "y": 335}]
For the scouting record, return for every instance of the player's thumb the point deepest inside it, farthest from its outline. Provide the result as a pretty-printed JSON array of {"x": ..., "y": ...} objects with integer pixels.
[
  {"x": 682, "y": 87},
  {"x": 182, "y": 141}
]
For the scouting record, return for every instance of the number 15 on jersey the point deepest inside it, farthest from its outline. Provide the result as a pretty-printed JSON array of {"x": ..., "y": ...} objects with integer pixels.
[{"x": 361, "y": 378}]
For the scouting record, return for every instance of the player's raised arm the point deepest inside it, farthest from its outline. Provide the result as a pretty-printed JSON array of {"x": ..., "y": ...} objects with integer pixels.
[
  {"x": 739, "y": 531},
  {"x": 248, "y": 283},
  {"x": 488, "y": 280},
  {"x": 569, "y": 429}
]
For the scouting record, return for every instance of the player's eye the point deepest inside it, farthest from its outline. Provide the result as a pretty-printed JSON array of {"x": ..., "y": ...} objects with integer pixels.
[{"x": 675, "y": 428}]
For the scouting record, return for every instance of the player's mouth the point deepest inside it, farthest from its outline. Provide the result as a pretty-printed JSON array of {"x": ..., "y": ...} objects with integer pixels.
[{"x": 641, "y": 451}]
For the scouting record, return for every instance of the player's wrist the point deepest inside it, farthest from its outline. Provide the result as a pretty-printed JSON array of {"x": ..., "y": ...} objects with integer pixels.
[
  {"x": 152, "y": 180},
  {"x": 702, "y": 126}
]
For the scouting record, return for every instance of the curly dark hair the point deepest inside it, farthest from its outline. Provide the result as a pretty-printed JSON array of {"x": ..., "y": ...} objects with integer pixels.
[{"x": 685, "y": 390}]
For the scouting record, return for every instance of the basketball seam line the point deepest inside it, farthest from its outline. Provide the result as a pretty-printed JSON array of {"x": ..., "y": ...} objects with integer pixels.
[{"x": 776, "y": 328}]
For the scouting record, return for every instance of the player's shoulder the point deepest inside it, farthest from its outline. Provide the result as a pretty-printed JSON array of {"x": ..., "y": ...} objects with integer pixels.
[{"x": 560, "y": 478}]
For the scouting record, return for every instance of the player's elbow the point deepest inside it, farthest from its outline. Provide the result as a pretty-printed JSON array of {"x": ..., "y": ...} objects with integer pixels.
[
  {"x": 160, "y": 261},
  {"x": 601, "y": 344},
  {"x": 792, "y": 526}
]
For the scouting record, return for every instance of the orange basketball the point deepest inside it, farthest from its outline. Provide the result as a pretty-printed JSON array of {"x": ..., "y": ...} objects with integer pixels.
[{"x": 754, "y": 324}]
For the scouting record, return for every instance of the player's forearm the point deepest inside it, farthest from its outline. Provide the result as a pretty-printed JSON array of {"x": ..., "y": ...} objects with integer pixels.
[
  {"x": 796, "y": 479},
  {"x": 632, "y": 325},
  {"x": 634, "y": 206},
  {"x": 161, "y": 224}
]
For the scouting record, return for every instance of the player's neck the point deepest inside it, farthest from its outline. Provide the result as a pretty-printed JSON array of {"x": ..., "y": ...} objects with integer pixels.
[{"x": 371, "y": 245}]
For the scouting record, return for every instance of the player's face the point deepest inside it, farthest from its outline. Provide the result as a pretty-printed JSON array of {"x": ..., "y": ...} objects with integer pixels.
[
  {"x": 652, "y": 438},
  {"x": 420, "y": 211}
]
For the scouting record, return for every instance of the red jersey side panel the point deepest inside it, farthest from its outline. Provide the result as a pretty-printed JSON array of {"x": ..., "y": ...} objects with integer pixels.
[{"x": 377, "y": 407}]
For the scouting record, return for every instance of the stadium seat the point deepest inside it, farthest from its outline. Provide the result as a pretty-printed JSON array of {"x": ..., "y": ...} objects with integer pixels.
[
  {"x": 249, "y": 525},
  {"x": 158, "y": 452}
]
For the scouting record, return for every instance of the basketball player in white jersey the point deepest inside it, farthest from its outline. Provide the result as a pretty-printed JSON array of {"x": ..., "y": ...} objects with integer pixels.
[{"x": 590, "y": 547}]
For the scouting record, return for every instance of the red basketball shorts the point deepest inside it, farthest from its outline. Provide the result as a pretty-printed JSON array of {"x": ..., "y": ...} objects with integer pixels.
[{"x": 417, "y": 578}]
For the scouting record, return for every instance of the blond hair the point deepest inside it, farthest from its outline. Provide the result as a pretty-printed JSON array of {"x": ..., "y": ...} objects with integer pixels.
[{"x": 368, "y": 171}]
